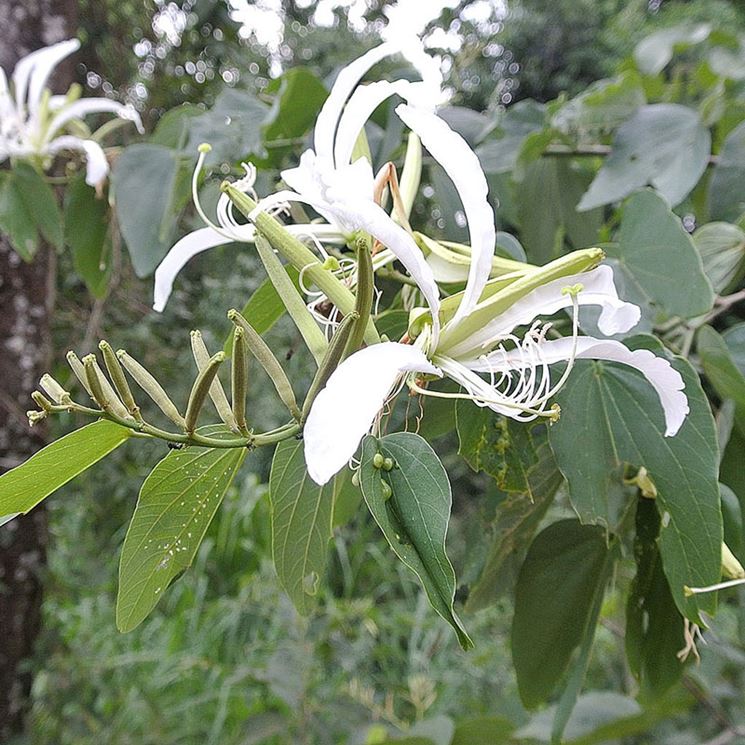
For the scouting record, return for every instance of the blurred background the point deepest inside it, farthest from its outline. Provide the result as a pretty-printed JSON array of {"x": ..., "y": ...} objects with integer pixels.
[{"x": 225, "y": 659}]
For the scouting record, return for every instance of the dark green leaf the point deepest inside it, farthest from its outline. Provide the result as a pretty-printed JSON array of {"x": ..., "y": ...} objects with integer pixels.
[
  {"x": 518, "y": 517},
  {"x": 733, "y": 522},
  {"x": 610, "y": 415},
  {"x": 176, "y": 505},
  {"x": 415, "y": 518},
  {"x": 172, "y": 129},
  {"x": 147, "y": 196},
  {"x": 657, "y": 256},
  {"x": 298, "y": 97},
  {"x": 302, "y": 515},
  {"x": 726, "y": 191},
  {"x": 86, "y": 226},
  {"x": 40, "y": 201},
  {"x": 654, "y": 627},
  {"x": 22, "y": 488},
  {"x": 16, "y": 221},
  {"x": 347, "y": 498},
  {"x": 564, "y": 574},
  {"x": 664, "y": 145},
  {"x": 483, "y": 731},
  {"x": 719, "y": 366}
]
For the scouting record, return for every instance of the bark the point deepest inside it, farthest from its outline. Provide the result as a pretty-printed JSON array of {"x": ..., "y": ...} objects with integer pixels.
[{"x": 26, "y": 297}]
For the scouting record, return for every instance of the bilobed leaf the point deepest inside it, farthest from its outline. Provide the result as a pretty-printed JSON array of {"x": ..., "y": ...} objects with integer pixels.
[
  {"x": 560, "y": 584},
  {"x": 654, "y": 627},
  {"x": 493, "y": 444},
  {"x": 726, "y": 190},
  {"x": 610, "y": 415},
  {"x": 15, "y": 219},
  {"x": 518, "y": 517},
  {"x": 657, "y": 256},
  {"x": 302, "y": 515},
  {"x": 86, "y": 226},
  {"x": 721, "y": 246},
  {"x": 664, "y": 145},
  {"x": 41, "y": 204},
  {"x": 176, "y": 505},
  {"x": 415, "y": 518},
  {"x": 264, "y": 308},
  {"x": 26, "y": 485},
  {"x": 147, "y": 193}
]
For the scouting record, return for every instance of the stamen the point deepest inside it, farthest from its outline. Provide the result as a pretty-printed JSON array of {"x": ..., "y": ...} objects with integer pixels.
[
  {"x": 204, "y": 149},
  {"x": 688, "y": 591},
  {"x": 691, "y": 632}
]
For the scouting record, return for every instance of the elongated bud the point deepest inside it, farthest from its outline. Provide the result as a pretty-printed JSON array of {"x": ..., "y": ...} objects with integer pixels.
[
  {"x": 42, "y": 402},
  {"x": 259, "y": 349},
  {"x": 731, "y": 567},
  {"x": 239, "y": 378},
  {"x": 334, "y": 355},
  {"x": 643, "y": 481},
  {"x": 151, "y": 386},
  {"x": 77, "y": 367},
  {"x": 117, "y": 378},
  {"x": 216, "y": 391},
  {"x": 364, "y": 299},
  {"x": 201, "y": 389},
  {"x": 104, "y": 395},
  {"x": 412, "y": 173},
  {"x": 54, "y": 390}
]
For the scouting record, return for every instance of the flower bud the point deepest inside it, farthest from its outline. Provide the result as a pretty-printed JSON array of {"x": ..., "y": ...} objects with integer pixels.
[
  {"x": 731, "y": 567},
  {"x": 117, "y": 378},
  {"x": 239, "y": 378},
  {"x": 77, "y": 367},
  {"x": 200, "y": 391},
  {"x": 216, "y": 391},
  {"x": 103, "y": 394},
  {"x": 54, "y": 390}
]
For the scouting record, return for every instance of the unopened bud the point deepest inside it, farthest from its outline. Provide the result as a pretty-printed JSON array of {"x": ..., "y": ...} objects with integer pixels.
[
  {"x": 42, "y": 402},
  {"x": 378, "y": 460},
  {"x": 34, "y": 417},
  {"x": 239, "y": 378},
  {"x": 200, "y": 391},
  {"x": 387, "y": 491},
  {"x": 53, "y": 389},
  {"x": 117, "y": 378},
  {"x": 731, "y": 567},
  {"x": 103, "y": 394},
  {"x": 216, "y": 392},
  {"x": 77, "y": 367},
  {"x": 388, "y": 464}
]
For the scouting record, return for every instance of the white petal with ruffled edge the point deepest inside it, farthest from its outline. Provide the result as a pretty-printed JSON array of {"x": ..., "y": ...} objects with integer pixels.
[
  {"x": 460, "y": 163},
  {"x": 84, "y": 106},
  {"x": 344, "y": 411},
  {"x": 616, "y": 315},
  {"x": 661, "y": 375}
]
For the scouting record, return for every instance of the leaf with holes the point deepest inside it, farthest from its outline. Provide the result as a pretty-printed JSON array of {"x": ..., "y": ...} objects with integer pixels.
[
  {"x": 176, "y": 505},
  {"x": 302, "y": 514},
  {"x": 414, "y": 517}
]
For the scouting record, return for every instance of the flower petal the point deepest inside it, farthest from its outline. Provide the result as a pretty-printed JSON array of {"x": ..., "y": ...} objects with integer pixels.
[
  {"x": 84, "y": 106},
  {"x": 345, "y": 409},
  {"x": 370, "y": 217},
  {"x": 32, "y": 72},
  {"x": 96, "y": 165},
  {"x": 346, "y": 82},
  {"x": 616, "y": 316},
  {"x": 454, "y": 154},
  {"x": 660, "y": 374}
]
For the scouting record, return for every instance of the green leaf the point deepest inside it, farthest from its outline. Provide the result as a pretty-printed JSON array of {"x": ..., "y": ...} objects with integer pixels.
[
  {"x": 232, "y": 126},
  {"x": 16, "y": 221},
  {"x": 610, "y": 415},
  {"x": 733, "y": 522},
  {"x": 653, "y": 53},
  {"x": 392, "y": 323},
  {"x": 564, "y": 574},
  {"x": 726, "y": 191},
  {"x": 264, "y": 308},
  {"x": 176, "y": 505},
  {"x": 518, "y": 517},
  {"x": 493, "y": 444},
  {"x": 657, "y": 257},
  {"x": 654, "y": 627},
  {"x": 347, "y": 498},
  {"x": 721, "y": 246},
  {"x": 40, "y": 201},
  {"x": 22, "y": 488},
  {"x": 734, "y": 338},
  {"x": 719, "y": 366},
  {"x": 302, "y": 515},
  {"x": 483, "y": 731},
  {"x": 148, "y": 193},
  {"x": 86, "y": 227},
  {"x": 414, "y": 520},
  {"x": 664, "y": 145},
  {"x": 172, "y": 129}
]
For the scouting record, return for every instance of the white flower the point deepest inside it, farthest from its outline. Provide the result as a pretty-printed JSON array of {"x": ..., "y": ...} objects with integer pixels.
[
  {"x": 340, "y": 190},
  {"x": 33, "y": 122},
  {"x": 478, "y": 347}
]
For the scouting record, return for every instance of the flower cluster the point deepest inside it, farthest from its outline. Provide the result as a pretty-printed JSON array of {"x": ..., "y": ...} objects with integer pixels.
[
  {"x": 36, "y": 125},
  {"x": 489, "y": 338}
]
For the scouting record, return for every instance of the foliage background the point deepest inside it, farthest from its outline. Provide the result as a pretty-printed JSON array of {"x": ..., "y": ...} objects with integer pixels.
[{"x": 225, "y": 659}]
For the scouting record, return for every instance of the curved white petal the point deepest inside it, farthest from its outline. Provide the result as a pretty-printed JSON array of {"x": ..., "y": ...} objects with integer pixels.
[
  {"x": 616, "y": 315},
  {"x": 84, "y": 106},
  {"x": 447, "y": 271},
  {"x": 662, "y": 376},
  {"x": 96, "y": 165},
  {"x": 373, "y": 219},
  {"x": 359, "y": 109},
  {"x": 175, "y": 260},
  {"x": 426, "y": 65},
  {"x": 454, "y": 154},
  {"x": 346, "y": 82},
  {"x": 345, "y": 409},
  {"x": 32, "y": 72}
]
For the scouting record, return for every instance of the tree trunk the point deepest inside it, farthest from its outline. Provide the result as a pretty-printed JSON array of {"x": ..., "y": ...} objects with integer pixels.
[{"x": 26, "y": 297}]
